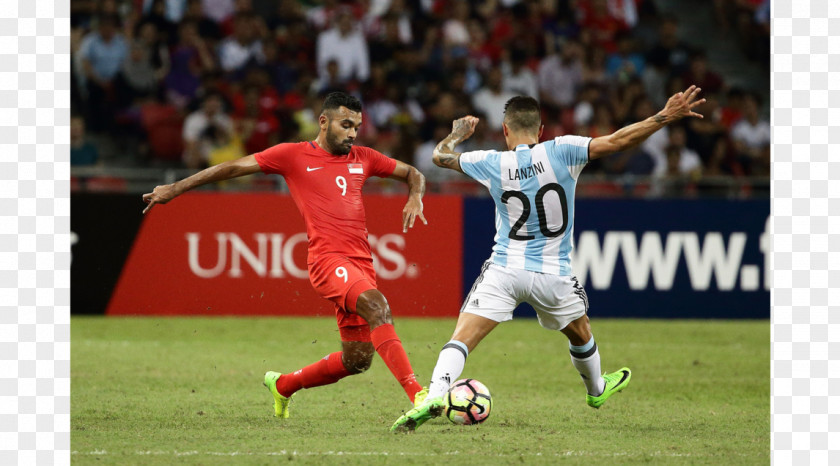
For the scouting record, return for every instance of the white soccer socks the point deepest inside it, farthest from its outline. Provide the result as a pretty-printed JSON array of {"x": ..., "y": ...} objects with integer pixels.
[
  {"x": 587, "y": 361},
  {"x": 449, "y": 367}
]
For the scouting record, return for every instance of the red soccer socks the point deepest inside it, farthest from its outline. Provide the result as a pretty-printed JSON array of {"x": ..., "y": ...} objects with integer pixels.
[
  {"x": 328, "y": 370},
  {"x": 390, "y": 349}
]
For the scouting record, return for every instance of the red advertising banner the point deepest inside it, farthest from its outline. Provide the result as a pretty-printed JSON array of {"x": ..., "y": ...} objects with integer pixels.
[{"x": 245, "y": 254}]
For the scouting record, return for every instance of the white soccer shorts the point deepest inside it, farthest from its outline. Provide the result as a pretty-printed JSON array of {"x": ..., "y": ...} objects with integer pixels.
[{"x": 497, "y": 291}]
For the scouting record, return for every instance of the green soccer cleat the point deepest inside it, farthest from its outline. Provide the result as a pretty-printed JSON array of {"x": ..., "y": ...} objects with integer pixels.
[
  {"x": 613, "y": 383},
  {"x": 414, "y": 418},
  {"x": 281, "y": 403},
  {"x": 420, "y": 396}
]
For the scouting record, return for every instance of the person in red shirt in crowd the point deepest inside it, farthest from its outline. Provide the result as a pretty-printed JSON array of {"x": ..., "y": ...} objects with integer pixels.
[
  {"x": 325, "y": 178},
  {"x": 258, "y": 127},
  {"x": 699, "y": 72},
  {"x": 602, "y": 24}
]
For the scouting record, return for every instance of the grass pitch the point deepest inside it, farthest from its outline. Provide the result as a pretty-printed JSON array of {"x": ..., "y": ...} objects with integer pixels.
[{"x": 189, "y": 391}]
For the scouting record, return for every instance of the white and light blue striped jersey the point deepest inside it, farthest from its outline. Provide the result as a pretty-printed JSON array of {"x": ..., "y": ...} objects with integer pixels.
[{"x": 534, "y": 191}]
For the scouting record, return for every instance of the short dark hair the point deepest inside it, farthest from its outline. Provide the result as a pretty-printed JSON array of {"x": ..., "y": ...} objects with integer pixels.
[
  {"x": 335, "y": 100},
  {"x": 522, "y": 113}
]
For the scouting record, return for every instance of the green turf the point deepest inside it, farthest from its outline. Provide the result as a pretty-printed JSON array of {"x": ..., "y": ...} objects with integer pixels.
[{"x": 189, "y": 391}]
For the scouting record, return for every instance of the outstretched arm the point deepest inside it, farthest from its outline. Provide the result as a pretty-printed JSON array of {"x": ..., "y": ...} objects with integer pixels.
[
  {"x": 444, "y": 154},
  {"x": 224, "y": 171},
  {"x": 416, "y": 188},
  {"x": 679, "y": 106}
]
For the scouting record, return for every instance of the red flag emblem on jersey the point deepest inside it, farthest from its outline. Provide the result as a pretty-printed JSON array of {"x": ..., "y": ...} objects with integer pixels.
[{"x": 355, "y": 168}]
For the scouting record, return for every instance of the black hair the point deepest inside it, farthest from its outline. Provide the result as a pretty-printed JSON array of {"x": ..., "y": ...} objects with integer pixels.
[
  {"x": 522, "y": 113},
  {"x": 335, "y": 100}
]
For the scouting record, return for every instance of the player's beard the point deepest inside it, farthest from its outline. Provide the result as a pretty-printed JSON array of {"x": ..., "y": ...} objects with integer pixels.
[{"x": 337, "y": 145}]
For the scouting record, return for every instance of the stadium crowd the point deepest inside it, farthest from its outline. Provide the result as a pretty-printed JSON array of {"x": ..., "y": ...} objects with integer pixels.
[{"x": 191, "y": 83}]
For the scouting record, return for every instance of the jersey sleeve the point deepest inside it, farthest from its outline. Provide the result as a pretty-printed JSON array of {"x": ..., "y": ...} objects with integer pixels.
[
  {"x": 572, "y": 151},
  {"x": 276, "y": 159},
  {"x": 477, "y": 165},
  {"x": 379, "y": 164}
]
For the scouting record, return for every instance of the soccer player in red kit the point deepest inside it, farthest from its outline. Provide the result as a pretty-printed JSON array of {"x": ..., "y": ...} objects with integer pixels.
[{"x": 325, "y": 177}]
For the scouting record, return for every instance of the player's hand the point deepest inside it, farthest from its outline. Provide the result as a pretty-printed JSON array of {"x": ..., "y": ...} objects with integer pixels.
[
  {"x": 681, "y": 104},
  {"x": 160, "y": 195},
  {"x": 413, "y": 209},
  {"x": 464, "y": 127}
]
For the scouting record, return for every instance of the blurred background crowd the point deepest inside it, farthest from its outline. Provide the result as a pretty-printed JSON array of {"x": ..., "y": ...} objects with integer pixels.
[{"x": 185, "y": 84}]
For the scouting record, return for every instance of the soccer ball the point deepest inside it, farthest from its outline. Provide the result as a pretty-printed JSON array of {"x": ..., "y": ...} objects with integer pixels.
[{"x": 468, "y": 402}]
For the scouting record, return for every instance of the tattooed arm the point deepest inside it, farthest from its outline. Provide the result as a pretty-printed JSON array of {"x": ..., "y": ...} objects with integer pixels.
[
  {"x": 444, "y": 154},
  {"x": 679, "y": 106}
]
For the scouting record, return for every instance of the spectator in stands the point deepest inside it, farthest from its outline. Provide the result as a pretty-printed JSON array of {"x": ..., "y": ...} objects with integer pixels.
[
  {"x": 211, "y": 113},
  {"x": 345, "y": 44},
  {"x": 102, "y": 54},
  {"x": 595, "y": 66},
  {"x": 281, "y": 74},
  {"x": 221, "y": 145},
  {"x": 456, "y": 36},
  {"x": 670, "y": 52},
  {"x": 322, "y": 15},
  {"x": 441, "y": 113},
  {"x": 165, "y": 15},
  {"x": 385, "y": 44},
  {"x": 601, "y": 23},
  {"x": 703, "y": 133},
  {"x": 243, "y": 47},
  {"x": 399, "y": 16},
  {"x": 206, "y": 27},
  {"x": 559, "y": 76},
  {"x": 483, "y": 53},
  {"x": 699, "y": 73},
  {"x": 287, "y": 13},
  {"x": 584, "y": 111},
  {"x": 138, "y": 74},
  {"x": 82, "y": 151},
  {"x": 688, "y": 162},
  {"x": 490, "y": 99},
  {"x": 623, "y": 98},
  {"x": 602, "y": 122},
  {"x": 146, "y": 65},
  {"x": 636, "y": 161},
  {"x": 751, "y": 139},
  {"x": 517, "y": 77},
  {"x": 331, "y": 81},
  {"x": 218, "y": 10},
  {"x": 674, "y": 179},
  {"x": 172, "y": 10},
  {"x": 190, "y": 60},
  {"x": 241, "y": 7},
  {"x": 625, "y": 64},
  {"x": 721, "y": 162},
  {"x": 733, "y": 110}
]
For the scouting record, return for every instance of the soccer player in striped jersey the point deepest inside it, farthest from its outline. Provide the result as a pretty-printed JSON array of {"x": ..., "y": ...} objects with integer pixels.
[{"x": 533, "y": 186}]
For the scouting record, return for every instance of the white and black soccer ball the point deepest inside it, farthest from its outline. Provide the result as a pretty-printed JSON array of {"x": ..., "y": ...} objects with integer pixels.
[{"x": 467, "y": 402}]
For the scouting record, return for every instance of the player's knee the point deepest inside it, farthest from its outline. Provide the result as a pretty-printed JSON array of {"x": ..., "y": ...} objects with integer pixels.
[
  {"x": 358, "y": 362},
  {"x": 373, "y": 307}
]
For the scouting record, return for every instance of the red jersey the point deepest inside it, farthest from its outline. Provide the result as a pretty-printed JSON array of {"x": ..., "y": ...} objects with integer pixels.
[{"x": 327, "y": 190}]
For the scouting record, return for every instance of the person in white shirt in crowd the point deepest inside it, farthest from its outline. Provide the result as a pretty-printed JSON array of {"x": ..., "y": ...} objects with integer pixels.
[
  {"x": 689, "y": 161},
  {"x": 517, "y": 77},
  {"x": 345, "y": 44},
  {"x": 211, "y": 113},
  {"x": 243, "y": 47},
  {"x": 559, "y": 76},
  {"x": 751, "y": 138},
  {"x": 491, "y": 99}
]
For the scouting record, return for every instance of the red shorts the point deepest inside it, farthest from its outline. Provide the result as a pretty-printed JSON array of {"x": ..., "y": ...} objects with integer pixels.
[{"x": 342, "y": 280}]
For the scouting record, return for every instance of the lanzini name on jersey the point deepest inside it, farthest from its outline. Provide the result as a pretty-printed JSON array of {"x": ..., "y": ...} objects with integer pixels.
[{"x": 525, "y": 173}]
